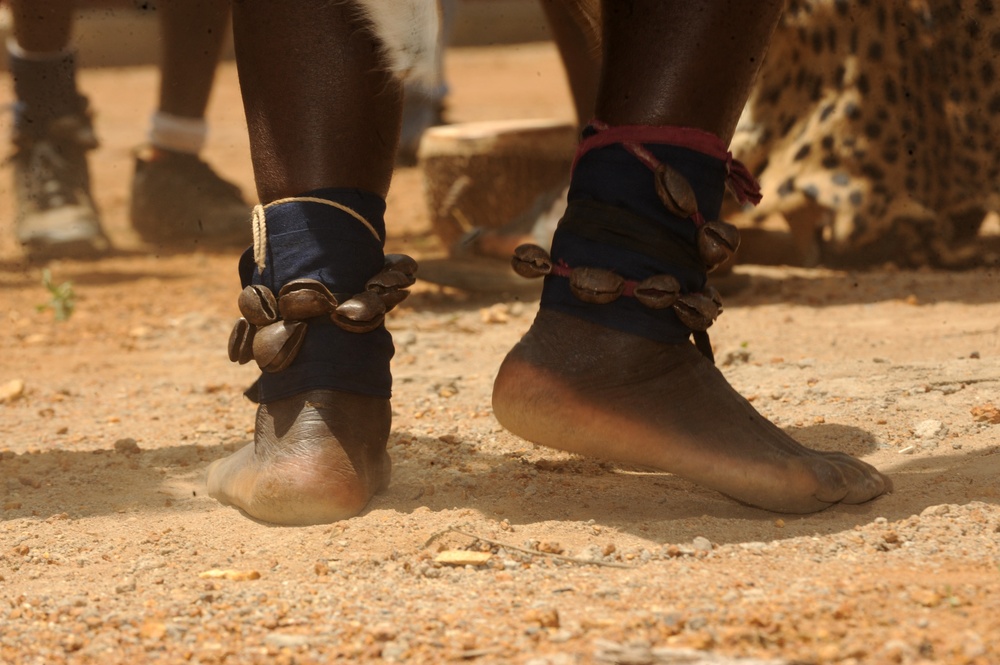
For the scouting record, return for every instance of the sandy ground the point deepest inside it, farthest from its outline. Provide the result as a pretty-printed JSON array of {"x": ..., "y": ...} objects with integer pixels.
[{"x": 107, "y": 540}]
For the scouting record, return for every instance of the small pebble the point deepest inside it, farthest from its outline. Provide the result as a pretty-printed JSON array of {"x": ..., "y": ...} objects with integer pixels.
[
  {"x": 405, "y": 339},
  {"x": 930, "y": 429},
  {"x": 383, "y": 632},
  {"x": 986, "y": 413},
  {"x": 127, "y": 446},
  {"x": 495, "y": 314},
  {"x": 941, "y": 509},
  {"x": 229, "y": 574},
  {"x": 462, "y": 558},
  {"x": 125, "y": 586},
  {"x": 285, "y": 641},
  {"x": 11, "y": 390},
  {"x": 702, "y": 544}
]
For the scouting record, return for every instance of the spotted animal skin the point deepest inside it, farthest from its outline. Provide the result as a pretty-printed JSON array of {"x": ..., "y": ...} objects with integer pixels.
[{"x": 874, "y": 128}]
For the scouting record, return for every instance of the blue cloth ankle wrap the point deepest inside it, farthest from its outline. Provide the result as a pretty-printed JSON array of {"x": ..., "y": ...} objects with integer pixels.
[
  {"x": 616, "y": 221},
  {"x": 317, "y": 241}
]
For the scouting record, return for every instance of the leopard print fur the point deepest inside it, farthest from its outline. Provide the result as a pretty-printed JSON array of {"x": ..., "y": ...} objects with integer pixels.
[{"x": 874, "y": 128}]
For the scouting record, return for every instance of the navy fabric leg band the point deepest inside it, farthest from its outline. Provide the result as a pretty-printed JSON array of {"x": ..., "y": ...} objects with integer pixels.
[
  {"x": 616, "y": 221},
  {"x": 317, "y": 241}
]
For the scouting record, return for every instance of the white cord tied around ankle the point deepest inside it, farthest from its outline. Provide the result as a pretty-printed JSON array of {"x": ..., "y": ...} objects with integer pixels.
[{"x": 260, "y": 224}]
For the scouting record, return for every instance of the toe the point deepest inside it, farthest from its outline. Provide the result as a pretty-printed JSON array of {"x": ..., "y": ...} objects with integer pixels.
[
  {"x": 864, "y": 482},
  {"x": 831, "y": 484}
]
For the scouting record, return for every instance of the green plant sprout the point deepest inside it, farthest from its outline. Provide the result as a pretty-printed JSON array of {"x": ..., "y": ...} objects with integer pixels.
[{"x": 63, "y": 299}]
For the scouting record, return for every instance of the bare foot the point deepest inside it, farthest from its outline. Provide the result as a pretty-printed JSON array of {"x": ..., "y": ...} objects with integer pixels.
[
  {"x": 576, "y": 386},
  {"x": 316, "y": 458}
]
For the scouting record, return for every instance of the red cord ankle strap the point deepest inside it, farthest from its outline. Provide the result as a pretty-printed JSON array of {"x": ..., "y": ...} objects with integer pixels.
[{"x": 740, "y": 180}]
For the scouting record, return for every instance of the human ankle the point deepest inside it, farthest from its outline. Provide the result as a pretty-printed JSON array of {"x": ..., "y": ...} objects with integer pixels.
[
  {"x": 44, "y": 87},
  {"x": 171, "y": 134},
  {"x": 636, "y": 244},
  {"x": 327, "y": 242}
]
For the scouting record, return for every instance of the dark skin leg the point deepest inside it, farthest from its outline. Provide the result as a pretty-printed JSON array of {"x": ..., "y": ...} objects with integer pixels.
[
  {"x": 581, "y": 59},
  {"x": 320, "y": 110},
  {"x": 567, "y": 384},
  {"x": 42, "y": 27},
  {"x": 682, "y": 63},
  {"x": 193, "y": 32},
  {"x": 580, "y": 56},
  {"x": 579, "y": 387},
  {"x": 321, "y": 113}
]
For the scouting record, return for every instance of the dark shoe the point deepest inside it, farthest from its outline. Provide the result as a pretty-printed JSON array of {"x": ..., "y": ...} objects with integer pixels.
[
  {"x": 56, "y": 216},
  {"x": 178, "y": 199}
]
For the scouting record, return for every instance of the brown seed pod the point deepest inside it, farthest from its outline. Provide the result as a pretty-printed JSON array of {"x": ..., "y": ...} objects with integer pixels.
[
  {"x": 387, "y": 280},
  {"x": 401, "y": 262},
  {"x": 306, "y": 284},
  {"x": 241, "y": 342},
  {"x": 303, "y": 299},
  {"x": 658, "y": 291},
  {"x": 362, "y": 313},
  {"x": 696, "y": 310},
  {"x": 391, "y": 283},
  {"x": 356, "y": 326},
  {"x": 275, "y": 346},
  {"x": 531, "y": 261},
  {"x": 257, "y": 305},
  {"x": 714, "y": 295},
  {"x": 596, "y": 285},
  {"x": 717, "y": 242},
  {"x": 304, "y": 304},
  {"x": 675, "y": 191},
  {"x": 392, "y": 298}
]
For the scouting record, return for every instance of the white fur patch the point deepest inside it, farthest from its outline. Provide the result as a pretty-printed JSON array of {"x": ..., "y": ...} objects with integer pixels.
[{"x": 408, "y": 32}]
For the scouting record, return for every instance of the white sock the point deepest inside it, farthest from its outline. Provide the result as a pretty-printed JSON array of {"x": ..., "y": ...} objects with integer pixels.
[
  {"x": 37, "y": 56},
  {"x": 176, "y": 133}
]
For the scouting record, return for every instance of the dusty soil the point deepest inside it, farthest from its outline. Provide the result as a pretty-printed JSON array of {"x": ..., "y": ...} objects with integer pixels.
[{"x": 106, "y": 534}]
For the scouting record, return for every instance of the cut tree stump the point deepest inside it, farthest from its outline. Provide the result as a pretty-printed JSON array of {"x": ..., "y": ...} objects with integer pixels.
[{"x": 486, "y": 174}]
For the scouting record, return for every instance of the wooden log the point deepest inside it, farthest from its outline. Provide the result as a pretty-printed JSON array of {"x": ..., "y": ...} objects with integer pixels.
[{"x": 485, "y": 174}]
